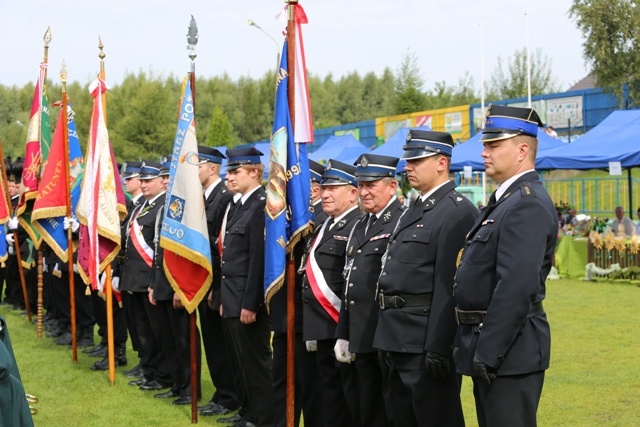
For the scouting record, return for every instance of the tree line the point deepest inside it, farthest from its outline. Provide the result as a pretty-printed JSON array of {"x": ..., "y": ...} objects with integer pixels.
[{"x": 142, "y": 109}]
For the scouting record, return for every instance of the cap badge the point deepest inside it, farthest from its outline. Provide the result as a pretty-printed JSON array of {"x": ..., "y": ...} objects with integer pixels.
[
  {"x": 409, "y": 136},
  {"x": 328, "y": 165},
  {"x": 364, "y": 162}
]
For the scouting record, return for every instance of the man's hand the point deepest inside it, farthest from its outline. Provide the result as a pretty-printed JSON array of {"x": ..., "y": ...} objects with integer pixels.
[
  {"x": 437, "y": 365},
  {"x": 70, "y": 222},
  {"x": 247, "y": 317},
  {"x": 311, "y": 346},
  {"x": 152, "y": 300},
  {"x": 13, "y": 223},
  {"x": 177, "y": 302},
  {"x": 482, "y": 370}
]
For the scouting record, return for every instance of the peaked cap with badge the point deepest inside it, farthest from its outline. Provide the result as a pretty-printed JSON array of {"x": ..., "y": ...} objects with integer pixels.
[
  {"x": 131, "y": 170},
  {"x": 238, "y": 157},
  {"x": 149, "y": 170},
  {"x": 165, "y": 166},
  {"x": 426, "y": 143},
  {"x": 372, "y": 167},
  {"x": 315, "y": 170},
  {"x": 504, "y": 122},
  {"x": 210, "y": 154},
  {"x": 338, "y": 173}
]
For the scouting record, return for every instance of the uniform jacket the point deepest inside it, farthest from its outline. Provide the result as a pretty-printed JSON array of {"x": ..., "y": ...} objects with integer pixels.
[
  {"x": 421, "y": 259},
  {"x": 136, "y": 275},
  {"x": 215, "y": 206},
  {"x": 242, "y": 262},
  {"x": 359, "y": 311},
  {"x": 162, "y": 290},
  {"x": 504, "y": 266},
  {"x": 330, "y": 256},
  {"x": 124, "y": 234}
]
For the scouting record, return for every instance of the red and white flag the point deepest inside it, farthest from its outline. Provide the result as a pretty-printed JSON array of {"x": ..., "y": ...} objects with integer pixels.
[{"x": 102, "y": 200}]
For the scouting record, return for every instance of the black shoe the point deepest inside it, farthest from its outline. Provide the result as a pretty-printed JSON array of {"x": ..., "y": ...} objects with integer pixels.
[
  {"x": 243, "y": 423},
  {"x": 152, "y": 386},
  {"x": 210, "y": 404},
  {"x": 167, "y": 394},
  {"x": 64, "y": 339},
  {"x": 96, "y": 347},
  {"x": 182, "y": 400},
  {"x": 230, "y": 420},
  {"x": 214, "y": 409},
  {"x": 103, "y": 365},
  {"x": 136, "y": 372},
  {"x": 136, "y": 383},
  {"x": 99, "y": 350},
  {"x": 55, "y": 332}
]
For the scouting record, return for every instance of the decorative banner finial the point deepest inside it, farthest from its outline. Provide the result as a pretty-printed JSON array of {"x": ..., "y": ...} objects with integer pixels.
[
  {"x": 47, "y": 37},
  {"x": 192, "y": 38},
  {"x": 101, "y": 55},
  {"x": 63, "y": 73}
]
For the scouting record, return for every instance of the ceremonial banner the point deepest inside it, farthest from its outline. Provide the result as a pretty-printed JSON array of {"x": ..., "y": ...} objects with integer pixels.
[
  {"x": 3, "y": 246},
  {"x": 37, "y": 147},
  {"x": 50, "y": 206},
  {"x": 102, "y": 200},
  {"x": 184, "y": 237},
  {"x": 288, "y": 216},
  {"x": 4, "y": 216}
]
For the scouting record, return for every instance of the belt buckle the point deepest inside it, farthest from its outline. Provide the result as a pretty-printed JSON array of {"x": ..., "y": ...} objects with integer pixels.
[
  {"x": 457, "y": 311},
  {"x": 381, "y": 301}
]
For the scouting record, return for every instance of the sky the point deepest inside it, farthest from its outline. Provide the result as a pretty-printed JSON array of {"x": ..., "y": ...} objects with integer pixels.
[{"x": 446, "y": 36}]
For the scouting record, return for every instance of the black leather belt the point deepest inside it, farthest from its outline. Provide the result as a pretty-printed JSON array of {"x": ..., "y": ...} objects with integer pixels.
[
  {"x": 403, "y": 300},
  {"x": 476, "y": 317}
]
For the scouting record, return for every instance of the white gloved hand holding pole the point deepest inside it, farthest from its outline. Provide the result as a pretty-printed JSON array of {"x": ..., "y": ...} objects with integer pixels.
[{"x": 13, "y": 223}]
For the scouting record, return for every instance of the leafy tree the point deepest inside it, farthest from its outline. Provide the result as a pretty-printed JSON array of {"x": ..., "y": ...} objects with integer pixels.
[
  {"x": 219, "y": 129},
  {"x": 611, "y": 46},
  {"x": 408, "y": 88},
  {"x": 509, "y": 80}
]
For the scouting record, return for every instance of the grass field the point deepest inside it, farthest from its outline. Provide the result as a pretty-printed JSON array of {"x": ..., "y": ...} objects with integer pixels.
[{"x": 594, "y": 379}]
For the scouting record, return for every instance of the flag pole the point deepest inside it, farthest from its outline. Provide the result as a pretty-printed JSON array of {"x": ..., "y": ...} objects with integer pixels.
[
  {"x": 72, "y": 286},
  {"x": 291, "y": 267},
  {"x": 40, "y": 269},
  {"x": 5, "y": 184},
  {"x": 108, "y": 290},
  {"x": 192, "y": 41}
]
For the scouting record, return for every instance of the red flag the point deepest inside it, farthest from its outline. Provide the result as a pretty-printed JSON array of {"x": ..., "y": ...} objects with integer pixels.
[
  {"x": 303, "y": 131},
  {"x": 102, "y": 200}
]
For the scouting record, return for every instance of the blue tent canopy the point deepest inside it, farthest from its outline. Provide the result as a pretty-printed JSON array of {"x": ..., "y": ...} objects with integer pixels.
[
  {"x": 393, "y": 146},
  {"x": 469, "y": 152},
  {"x": 344, "y": 148},
  {"x": 615, "y": 139}
]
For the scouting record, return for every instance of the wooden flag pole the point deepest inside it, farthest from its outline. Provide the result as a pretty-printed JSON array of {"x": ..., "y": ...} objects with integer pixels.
[
  {"x": 291, "y": 267},
  {"x": 192, "y": 40},
  {"x": 72, "y": 286},
  {"x": 108, "y": 290}
]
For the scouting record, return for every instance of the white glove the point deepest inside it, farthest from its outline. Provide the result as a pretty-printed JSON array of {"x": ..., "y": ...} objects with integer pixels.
[
  {"x": 9, "y": 238},
  {"x": 70, "y": 222},
  {"x": 75, "y": 267},
  {"x": 56, "y": 269},
  {"x": 311, "y": 346},
  {"x": 115, "y": 283},
  {"x": 341, "y": 350},
  {"x": 45, "y": 267},
  {"x": 103, "y": 279},
  {"x": 11, "y": 250},
  {"x": 13, "y": 223}
]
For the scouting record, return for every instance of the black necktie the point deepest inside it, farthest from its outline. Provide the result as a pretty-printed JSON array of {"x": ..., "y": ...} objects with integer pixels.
[
  {"x": 492, "y": 199},
  {"x": 234, "y": 208},
  {"x": 370, "y": 222}
]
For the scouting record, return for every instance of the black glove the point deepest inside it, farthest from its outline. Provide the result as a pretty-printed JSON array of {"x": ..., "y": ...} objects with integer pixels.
[
  {"x": 482, "y": 370},
  {"x": 437, "y": 365}
]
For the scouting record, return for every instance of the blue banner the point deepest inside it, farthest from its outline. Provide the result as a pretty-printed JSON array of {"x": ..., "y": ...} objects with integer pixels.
[
  {"x": 288, "y": 216},
  {"x": 3, "y": 246}
]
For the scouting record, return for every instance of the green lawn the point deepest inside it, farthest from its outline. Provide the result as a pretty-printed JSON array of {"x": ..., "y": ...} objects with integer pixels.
[{"x": 594, "y": 379}]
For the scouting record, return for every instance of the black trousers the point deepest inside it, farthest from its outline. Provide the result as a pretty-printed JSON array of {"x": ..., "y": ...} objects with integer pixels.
[
  {"x": 307, "y": 383},
  {"x": 151, "y": 361},
  {"x": 218, "y": 357},
  {"x": 84, "y": 307},
  {"x": 253, "y": 353},
  {"x": 334, "y": 398},
  {"x": 510, "y": 401},
  {"x": 362, "y": 379},
  {"x": 176, "y": 343},
  {"x": 13, "y": 283},
  {"x": 416, "y": 399},
  {"x": 128, "y": 306},
  {"x": 119, "y": 321}
]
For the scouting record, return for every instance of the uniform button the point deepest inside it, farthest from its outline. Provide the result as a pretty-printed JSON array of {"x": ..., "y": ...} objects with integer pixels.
[
  {"x": 413, "y": 237},
  {"x": 359, "y": 251},
  {"x": 424, "y": 311},
  {"x": 224, "y": 247},
  {"x": 227, "y": 232},
  {"x": 354, "y": 268},
  {"x": 352, "y": 302},
  {"x": 388, "y": 257},
  {"x": 306, "y": 300},
  {"x": 384, "y": 274},
  {"x": 330, "y": 249},
  {"x": 351, "y": 285},
  {"x": 223, "y": 277},
  {"x": 375, "y": 250},
  {"x": 223, "y": 262},
  {"x": 306, "y": 287}
]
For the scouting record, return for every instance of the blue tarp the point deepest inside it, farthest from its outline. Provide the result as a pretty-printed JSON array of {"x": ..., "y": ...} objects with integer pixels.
[
  {"x": 344, "y": 148},
  {"x": 615, "y": 139},
  {"x": 469, "y": 152}
]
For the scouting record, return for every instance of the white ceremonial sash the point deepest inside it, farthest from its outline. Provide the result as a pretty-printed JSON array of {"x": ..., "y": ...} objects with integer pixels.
[{"x": 329, "y": 301}]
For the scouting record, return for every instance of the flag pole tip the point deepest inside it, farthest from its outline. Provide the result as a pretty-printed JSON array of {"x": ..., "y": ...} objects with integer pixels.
[{"x": 47, "y": 36}]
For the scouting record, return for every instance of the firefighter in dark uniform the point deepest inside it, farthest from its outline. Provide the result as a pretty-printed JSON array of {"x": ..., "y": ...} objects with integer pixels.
[
  {"x": 216, "y": 199},
  {"x": 307, "y": 385},
  {"x": 324, "y": 285},
  {"x": 315, "y": 171},
  {"x": 416, "y": 323},
  {"x": 172, "y": 324},
  {"x": 242, "y": 273},
  {"x": 136, "y": 276},
  {"x": 503, "y": 338},
  {"x": 359, "y": 313}
]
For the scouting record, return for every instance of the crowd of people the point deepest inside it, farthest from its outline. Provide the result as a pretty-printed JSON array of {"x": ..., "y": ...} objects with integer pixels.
[{"x": 394, "y": 304}]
